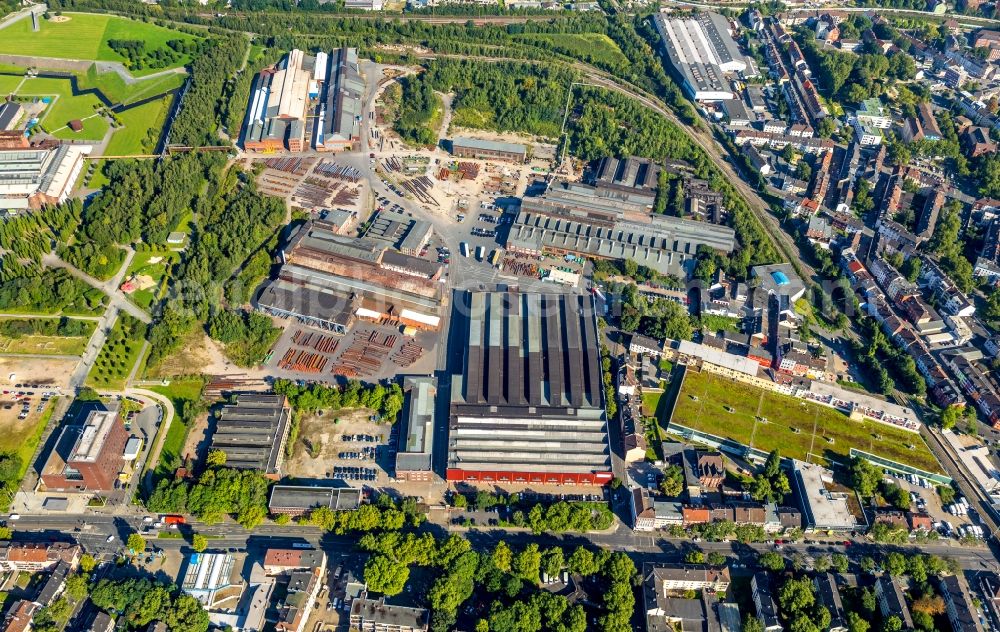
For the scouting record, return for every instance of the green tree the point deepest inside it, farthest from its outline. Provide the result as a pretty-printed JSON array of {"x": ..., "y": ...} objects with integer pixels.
[
  {"x": 855, "y": 622},
  {"x": 840, "y": 562},
  {"x": 76, "y": 587},
  {"x": 215, "y": 458},
  {"x": 752, "y": 624},
  {"x": 502, "y": 557},
  {"x": 714, "y": 558},
  {"x": 772, "y": 561},
  {"x": 199, "y": 543},
  {"x": 87, "y": 562},
  {"x": 895, "y": 564},
  {"x": 136, "y": 543},
  {"x": 865, "y": 477},
  {"x": 385, "y": 575},
  {"x": 527, "y": 564},
  {"x": 672, "y": 484},
  {"x": 694, "y": 556}
]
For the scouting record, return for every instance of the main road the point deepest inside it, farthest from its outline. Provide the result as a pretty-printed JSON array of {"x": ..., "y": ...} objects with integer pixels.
[{"x": 92, "y": 531}]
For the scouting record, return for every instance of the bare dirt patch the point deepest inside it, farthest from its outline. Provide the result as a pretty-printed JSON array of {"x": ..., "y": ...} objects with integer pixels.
[
  {"x": 59, "y": 19},
  {"x": 42, "y": 371},
  {"x": 320, "y": 442}
]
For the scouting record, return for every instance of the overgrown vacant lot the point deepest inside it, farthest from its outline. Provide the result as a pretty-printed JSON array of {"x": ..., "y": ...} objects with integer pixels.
[
  {"x": 84, "y": 36},
  {"x": 725, "y": 408}
]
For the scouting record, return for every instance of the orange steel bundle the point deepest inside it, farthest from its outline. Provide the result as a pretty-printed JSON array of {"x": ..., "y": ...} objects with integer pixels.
[
  {"x": 409, "y": 353},
  {"x": 303, "y": 361}
]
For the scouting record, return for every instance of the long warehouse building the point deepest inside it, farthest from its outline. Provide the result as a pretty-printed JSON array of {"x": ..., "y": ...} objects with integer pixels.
[
  {"x": 306, "y": 101},
  {"x": 252, "y": 432},
  {"x": 329, "y": 280},
  {"x": 33, "y": 178},
  {"x": 602, "y": 222},
  {"x": 527, "y": 401},
  {"x": 701, "y": 52}
]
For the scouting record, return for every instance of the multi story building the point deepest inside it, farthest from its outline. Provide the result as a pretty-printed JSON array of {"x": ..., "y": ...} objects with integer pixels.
[
  {"x": 527, "y": 401},
  {"x": 670, "y": 577},
  {"x": 87, "y": 457},
  {"x": 375, "y": 615},
  {"x": 32, "y": 557},
  {"x": 763, "y": 600},
  {"x": 958, "y": 604},
  {"x": 891, "y": 601}
]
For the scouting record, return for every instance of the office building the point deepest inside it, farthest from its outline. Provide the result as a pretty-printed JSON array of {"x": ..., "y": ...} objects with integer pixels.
[
  {"x": 462, "y": 147},
  {"x": 33, "y": 178},
  {"x": 87, "y": 457},
  {"x": 824, "y": 509},
  {"x": 527, "y": 402},
  {"x": 414, "y": 459},
  {"x": 295, "y": 500},
  {"x": 375, "y": 615},
  {"x": 329, "y": 280},
  {"x": 306, "y": 101},
  {"x": 701, "y": 52},
  {"x": 252, "y": 432}
]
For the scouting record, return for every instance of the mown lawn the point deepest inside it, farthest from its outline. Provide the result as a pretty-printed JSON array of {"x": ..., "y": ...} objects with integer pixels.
[
  {"x": 8, "y": 83},
  {"x": 45, "y": 345},
  {"x": 66, "y": 107},
  {"x": 22, "y": 436},
  {"x": 725, "y": 408},
  {"x": 141, "y": 131},
  {"x": 173, "y": 443},
  {"x": 117, "y": 91},
  {"x": 84, "y": 36}
]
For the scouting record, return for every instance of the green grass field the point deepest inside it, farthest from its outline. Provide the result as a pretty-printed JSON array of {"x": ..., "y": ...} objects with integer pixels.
[
  {"x": 173, "y": 443},
  {"x": 46, "y": 345},
  {"x": 8, "y": 83},
  {"x": 66, "y": 107},
  {"x": 594, "y": 46},
  {"x": 117, "y": 91},
  {"x": 84, "y": 36},
  {"x": 141, "y": 131},
  {"x": 24, "y": 435},
  {"x": 725, "y": 408}
]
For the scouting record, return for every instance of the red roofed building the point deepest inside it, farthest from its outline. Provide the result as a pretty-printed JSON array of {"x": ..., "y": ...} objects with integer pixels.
[
  {"x": 19, "y": 617},
  {"x": 696, "y": 515},
  {"x": 278, "y": 561},
  {"x": 37, "y": 556}
]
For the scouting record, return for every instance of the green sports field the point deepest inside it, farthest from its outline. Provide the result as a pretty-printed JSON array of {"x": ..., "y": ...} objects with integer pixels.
[
  {"x": 725, "y": 408},
  {"x": 85, "y": 37}
]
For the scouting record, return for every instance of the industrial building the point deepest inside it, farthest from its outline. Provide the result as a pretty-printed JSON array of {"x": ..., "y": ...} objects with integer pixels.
[
  {"x": 329, "y": 280},
  {"x": 296, "y": 500},
  {"x": 607, "y": 223},
  {"x": 34, "y": 178},
  {"x": 404, "y": 233},
  {"x": 87, "y": 457},
  {"x": 209, "y": 579},
  {"x": 701, "y": 52},
  {"x": 306, "y": 101},
  {"x": 527, "y": 395},
  {"x": 633, "y": 179},
  {"x": 462, "y": 147},
  {"x": 252, "y": 432},
  {"x": 414, "y": 460}
]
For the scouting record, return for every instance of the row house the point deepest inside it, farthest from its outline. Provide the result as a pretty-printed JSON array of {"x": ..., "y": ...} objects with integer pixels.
[{"x": 976, "y": 386}]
